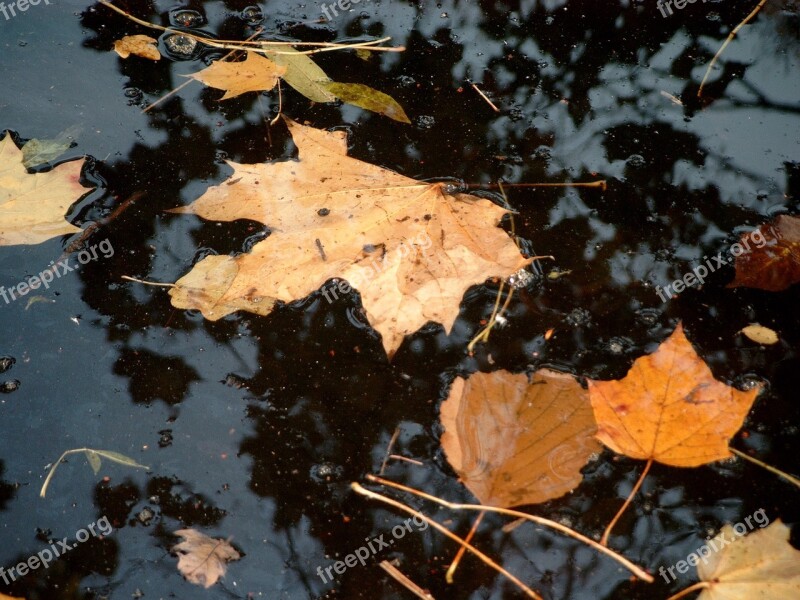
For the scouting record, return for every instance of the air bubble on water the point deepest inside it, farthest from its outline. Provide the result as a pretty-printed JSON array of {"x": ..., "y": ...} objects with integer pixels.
[
  {"x": 648, "y": 316},
  {"x": 12, "y": 385},
  {"x": 183, "y": 17},
  {"x": 325, "y": 472},
  {"x": 252, "y": 14},
  {"x": 425, "y": 121},
  {"x": 180, "y": 46},
  {"x": 6, "y": 362},
  {"x": 619, "y": 345},
  {"x": 748, "y": 382},
  {"x": 636, "y": 160}
]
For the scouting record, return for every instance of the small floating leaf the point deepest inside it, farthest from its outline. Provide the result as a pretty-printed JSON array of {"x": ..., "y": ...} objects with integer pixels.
[
  {"x": 364, "y": 96},
  {"x": 139, "y": 45},
  {"x": 760, "y": 334}
]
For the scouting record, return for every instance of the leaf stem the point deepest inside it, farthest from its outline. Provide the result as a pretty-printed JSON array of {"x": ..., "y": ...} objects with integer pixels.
[
  {"x": 628, "y": 500},
  {"x": 692, "y": 588},
  {"x": 727, "y": 41}
]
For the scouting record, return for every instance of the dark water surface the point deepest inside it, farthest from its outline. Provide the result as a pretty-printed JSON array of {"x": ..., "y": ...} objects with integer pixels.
[{"x": 253, "y": 427}]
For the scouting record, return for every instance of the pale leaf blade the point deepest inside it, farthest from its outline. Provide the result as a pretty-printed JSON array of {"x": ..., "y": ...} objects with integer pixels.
[
  {"x": 94, "y": 460},
  {"x": 368, "y": 98},
  {"x": 302, "y": 73}
]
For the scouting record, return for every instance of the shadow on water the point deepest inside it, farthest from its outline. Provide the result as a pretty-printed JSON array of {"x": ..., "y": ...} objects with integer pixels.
[{"x": 254, "y": 427}]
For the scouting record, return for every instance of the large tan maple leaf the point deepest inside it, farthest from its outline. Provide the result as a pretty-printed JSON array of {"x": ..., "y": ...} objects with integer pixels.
[
  {"x": 409, "y": 248},
  {"x": 32, "y": 206}
]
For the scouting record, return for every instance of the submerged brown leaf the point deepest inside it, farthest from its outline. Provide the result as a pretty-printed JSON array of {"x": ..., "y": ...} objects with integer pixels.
[
  {"x": 201, "y": 559},
  {"x": 513, "y": 441},
  {"x": 772, "y": 261}
]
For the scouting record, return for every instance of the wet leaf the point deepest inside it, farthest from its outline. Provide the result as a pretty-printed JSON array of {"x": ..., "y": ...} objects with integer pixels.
[
  {"x": 670, "y": 408},
  {"x": 364, "y": 96},
  {"x": 410, "y": 249},
  {"x": 32, "y": 207},
  {"x": 202, "y": 560},
  {"x": 94, "y": 461},
  {"x": 302, "y": 73},
  {"x": 760, "y": 334},
  {"x": 139, "y": 45},
  {"x": 775, "y": 265},
  {"x": 513, "y": 441},
  {"x": 37, "y": 152},
  {"x": 760, "y": 565},
  {"x": 254, "y": 74},
  {"x": 120, "y": 458},
  {"x": 36, "y": 299}
]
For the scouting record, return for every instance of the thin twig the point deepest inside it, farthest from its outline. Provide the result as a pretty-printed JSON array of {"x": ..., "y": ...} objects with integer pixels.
[
  {"x": 728, "y": 40},
  {"x": 628, "y": 500},
  {"x": 419, "y": 463},
  {"x": 143, "y": 282},
  {"x": 403, "y": 580},
  {"x": 482, "y": 95},
  {"x": 263, "y": 45},
  {"x": 448, "y": 577},
  {"x": 359, "y": 489},
  {"x": 393, "y": 439},
  {"x": 770, "y": 468},
  {"x": 636, "y": 570}
]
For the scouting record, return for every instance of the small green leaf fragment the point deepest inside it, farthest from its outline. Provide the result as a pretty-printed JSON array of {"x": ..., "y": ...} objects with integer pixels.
[
  {"x": 120, "y": 458},
  {"x": 364, "y": 96},
  {"x": 302, "y": 73},
  {"x": 94, "y": 461},
  {"x": 37, "y": 152}
]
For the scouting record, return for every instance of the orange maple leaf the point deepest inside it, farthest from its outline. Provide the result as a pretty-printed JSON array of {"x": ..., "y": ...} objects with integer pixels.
[{"x": 670, "y": 408}]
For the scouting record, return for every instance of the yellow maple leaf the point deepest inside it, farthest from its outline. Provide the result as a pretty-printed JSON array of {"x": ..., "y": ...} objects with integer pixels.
[
  {"x": 410, "y": 249},
  {"x": 254, "y": 74},
  {"x": 762, "y": 564},
  {"x": 32, "y": 207}
]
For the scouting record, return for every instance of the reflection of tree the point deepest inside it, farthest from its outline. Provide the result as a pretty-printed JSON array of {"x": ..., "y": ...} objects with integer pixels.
[
  {"x": 581, "y": 96},
  {"x": 153, "y": 376},
  {"x": 6, "y": 489}
]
